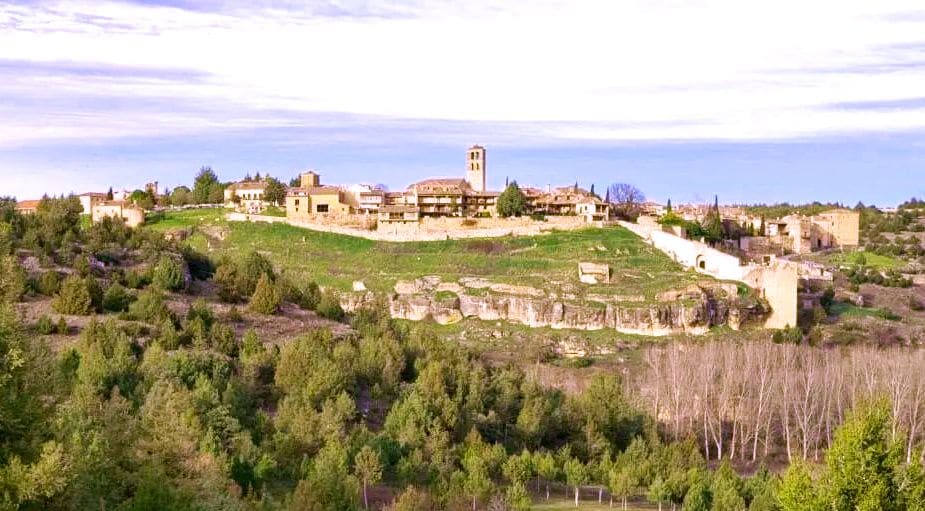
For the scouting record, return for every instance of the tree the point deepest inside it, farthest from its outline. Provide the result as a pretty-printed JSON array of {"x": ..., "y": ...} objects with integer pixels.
[
  {"x": 204, "y": 185},
  {"x": 626, "y": 199},
  {"x": 713, "y": 228},
  {"x": 368, "y": 469},
  {"x": 74, "y": 297},
  {"x": 862, "y": 462},
  {"x": 512, "y": 202},
  {"x": 546, "y": 468},
  {"x": 181, "y": 196},
  {"x": 797, "y": 490},
  {"x": 621, "y": 482},
  {"x": 265, "y": 299},
  {"x": 576, "y": 474},
  {"x": 658, "y": 492},
  {"x": 274, "y": 191},
  {"x": 116, "y": 298},
  {"x": 169, "y": 273},
  {"x": 12, "y": 279}
]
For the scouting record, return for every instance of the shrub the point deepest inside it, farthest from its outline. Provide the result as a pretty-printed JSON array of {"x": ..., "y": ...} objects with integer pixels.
[
  {"x": 223, "y": 340},
  {"x": 329, "y": 307},
  {"x": 96, "y": 292},
  {"x": 44, "y": 325},
  {"x": 167, "y": 336},
  {"x": 169, "y": 274},
  {"x": 149, "y": 307},
  {"x": 74, "y": 297},
  {"x": 62, "y": 327},
  {"x": 200, "y": 309},
  {"x": 792, "y": 335},
  {"x": 310, "y": 297},
  {"x": 12, "y": 279},
  {"x": 265, "y": 299},
  {"x": 49, "y": 283},
  {"x": 116, "y": 299},
  {"x": 234, "y": 315},
  {"x": 134, "y": 280}
]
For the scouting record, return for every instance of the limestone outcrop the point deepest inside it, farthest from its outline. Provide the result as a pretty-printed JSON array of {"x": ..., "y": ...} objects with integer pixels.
[{"x": 693, "y": 310}]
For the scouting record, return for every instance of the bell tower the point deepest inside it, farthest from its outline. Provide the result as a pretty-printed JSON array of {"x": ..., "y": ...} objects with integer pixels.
[{"x": 475, "y": 168}]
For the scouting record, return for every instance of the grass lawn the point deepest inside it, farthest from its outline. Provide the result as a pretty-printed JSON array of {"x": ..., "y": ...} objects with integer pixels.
[
  {"x": 876, "y": 261},
  {"x": 849, "y": 310},
  {"x": 560, "y": 504},
  {"x": 547, "y": 261}
]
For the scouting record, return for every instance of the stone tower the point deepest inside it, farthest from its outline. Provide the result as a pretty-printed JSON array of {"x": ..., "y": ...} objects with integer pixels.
[
  {"x": 475, "y": 168},
  {"x": 309, "y": 179}
]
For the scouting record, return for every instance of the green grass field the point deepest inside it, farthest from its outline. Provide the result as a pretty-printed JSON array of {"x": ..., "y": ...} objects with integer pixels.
[
  {"x": 876, "y": 261},
  {"x": 561, "y": 504},
  {"x": 548, "y": 261},
  {"x": 849, "y": 310}
]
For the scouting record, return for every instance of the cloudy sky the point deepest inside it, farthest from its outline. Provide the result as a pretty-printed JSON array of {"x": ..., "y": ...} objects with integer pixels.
[{"x": 751, "y": 100}]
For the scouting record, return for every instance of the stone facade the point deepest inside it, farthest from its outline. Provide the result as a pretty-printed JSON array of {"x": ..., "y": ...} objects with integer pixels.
[{"x": 132, "y": 215}]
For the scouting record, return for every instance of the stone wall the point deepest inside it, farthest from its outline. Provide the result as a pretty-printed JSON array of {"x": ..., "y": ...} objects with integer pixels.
[
  {"x": 429, "y": 229},
  {"x": 776, "y": 282}
]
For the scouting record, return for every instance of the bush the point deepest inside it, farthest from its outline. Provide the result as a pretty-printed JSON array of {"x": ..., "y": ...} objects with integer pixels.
[
  {"x": 134, "y": 280},
  {"x": 44, "y": 325},
  {"x": 223, "y": 340},
  {"x": 265, "y": 299},
  {"x": 792, "y": 335},
  {"x": 116, "y": 299},
  {"x": 169, "y": 274},
  {"x": 48, "y": 284},
  {"x": 62, "y": 327},
  {"x": 12, "y": 279},
  {"x": 310, "y": 297},
  {"x": 149, "y": 307},
  {"x": 329, "y": 307},
  {"x": 74, "y": 297}
]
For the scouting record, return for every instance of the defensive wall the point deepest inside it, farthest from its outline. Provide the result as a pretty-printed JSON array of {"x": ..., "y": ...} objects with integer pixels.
[
  {"x": 776, "y": 282},
  {"x": 428, "y": 229}
]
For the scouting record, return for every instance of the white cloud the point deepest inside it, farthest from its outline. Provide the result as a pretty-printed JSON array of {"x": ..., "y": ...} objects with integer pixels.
[{"x": 608, "y": 70}]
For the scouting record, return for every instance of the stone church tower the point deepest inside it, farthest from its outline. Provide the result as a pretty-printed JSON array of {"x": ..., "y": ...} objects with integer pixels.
[{"x": 475, "y": 168}]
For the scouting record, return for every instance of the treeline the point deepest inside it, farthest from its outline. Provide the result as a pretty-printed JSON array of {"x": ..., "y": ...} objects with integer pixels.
[{"x": 754, "y": 401}]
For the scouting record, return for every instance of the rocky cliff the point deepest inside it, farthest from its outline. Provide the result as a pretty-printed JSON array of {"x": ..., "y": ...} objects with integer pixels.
[{"x": 693, "y": 310}]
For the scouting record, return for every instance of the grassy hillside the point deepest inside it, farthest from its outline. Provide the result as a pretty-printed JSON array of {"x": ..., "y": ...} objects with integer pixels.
[{"x": 547, "y": 261}]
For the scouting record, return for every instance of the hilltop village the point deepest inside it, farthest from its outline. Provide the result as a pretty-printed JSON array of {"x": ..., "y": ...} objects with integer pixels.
[
  {"x": 760, "y": 252},
  {"x": 255, "y": 345}
]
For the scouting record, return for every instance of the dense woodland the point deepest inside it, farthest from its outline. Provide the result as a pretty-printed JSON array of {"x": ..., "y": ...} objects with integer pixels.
[{"x": 149, "y": 407}]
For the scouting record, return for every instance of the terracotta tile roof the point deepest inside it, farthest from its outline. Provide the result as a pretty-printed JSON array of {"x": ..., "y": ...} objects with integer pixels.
[
  {"x": 27, "y": 204},
  {"x": 452, "y": 186},
  {"x": 313, "y": 190}
]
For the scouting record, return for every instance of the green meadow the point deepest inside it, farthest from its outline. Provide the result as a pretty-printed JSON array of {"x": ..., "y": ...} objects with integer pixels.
[{"x": 548, "y": 261}]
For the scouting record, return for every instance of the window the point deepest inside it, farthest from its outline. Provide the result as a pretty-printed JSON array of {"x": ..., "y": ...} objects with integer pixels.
[
  {"x": 297, "y": 202},
  {"x": 322, "y": 208}
]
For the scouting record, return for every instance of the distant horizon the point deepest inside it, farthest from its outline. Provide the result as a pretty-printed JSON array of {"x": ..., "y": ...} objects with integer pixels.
[{"x": 686, "y": 101}]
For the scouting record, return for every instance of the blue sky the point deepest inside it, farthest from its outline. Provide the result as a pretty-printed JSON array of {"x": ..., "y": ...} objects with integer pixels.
[{"x": 753, "y": 101}]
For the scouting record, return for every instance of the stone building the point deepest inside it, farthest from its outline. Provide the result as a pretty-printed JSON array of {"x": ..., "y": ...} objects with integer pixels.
[
  {"x": 87, "y": 200},
  {"x": 27, "y": 207},
  {"x": 312, "y": 198},
  {"x": 132, "y": 215},
  {"x": 475, "y": 168},
  {"x": 246, "y": 196}
]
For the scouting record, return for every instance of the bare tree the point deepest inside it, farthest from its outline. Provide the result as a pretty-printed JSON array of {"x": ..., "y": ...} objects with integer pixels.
[{"x": 626, "y": 200}]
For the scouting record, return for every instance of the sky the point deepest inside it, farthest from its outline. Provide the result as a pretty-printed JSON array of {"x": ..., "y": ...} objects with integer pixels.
[{"x": 752, "y": 101}]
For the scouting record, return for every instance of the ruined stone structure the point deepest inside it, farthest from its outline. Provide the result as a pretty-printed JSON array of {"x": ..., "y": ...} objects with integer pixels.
[{"x": 776, "y": 281}]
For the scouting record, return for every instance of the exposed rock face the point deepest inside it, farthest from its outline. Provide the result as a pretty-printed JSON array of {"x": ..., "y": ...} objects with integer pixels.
[
  {"x": 652, "y": 320},
  {"x": 692, "y": 310}
]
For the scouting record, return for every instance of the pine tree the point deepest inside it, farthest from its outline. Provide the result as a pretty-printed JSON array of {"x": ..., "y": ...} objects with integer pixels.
[
  {"x": 265, "y": 299},
  {"x": 669, "y": 206},
  {"x": 368, "y": 469},
  {"x": 109, "y": 195},
  {"x": 74, "y": 297}
]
